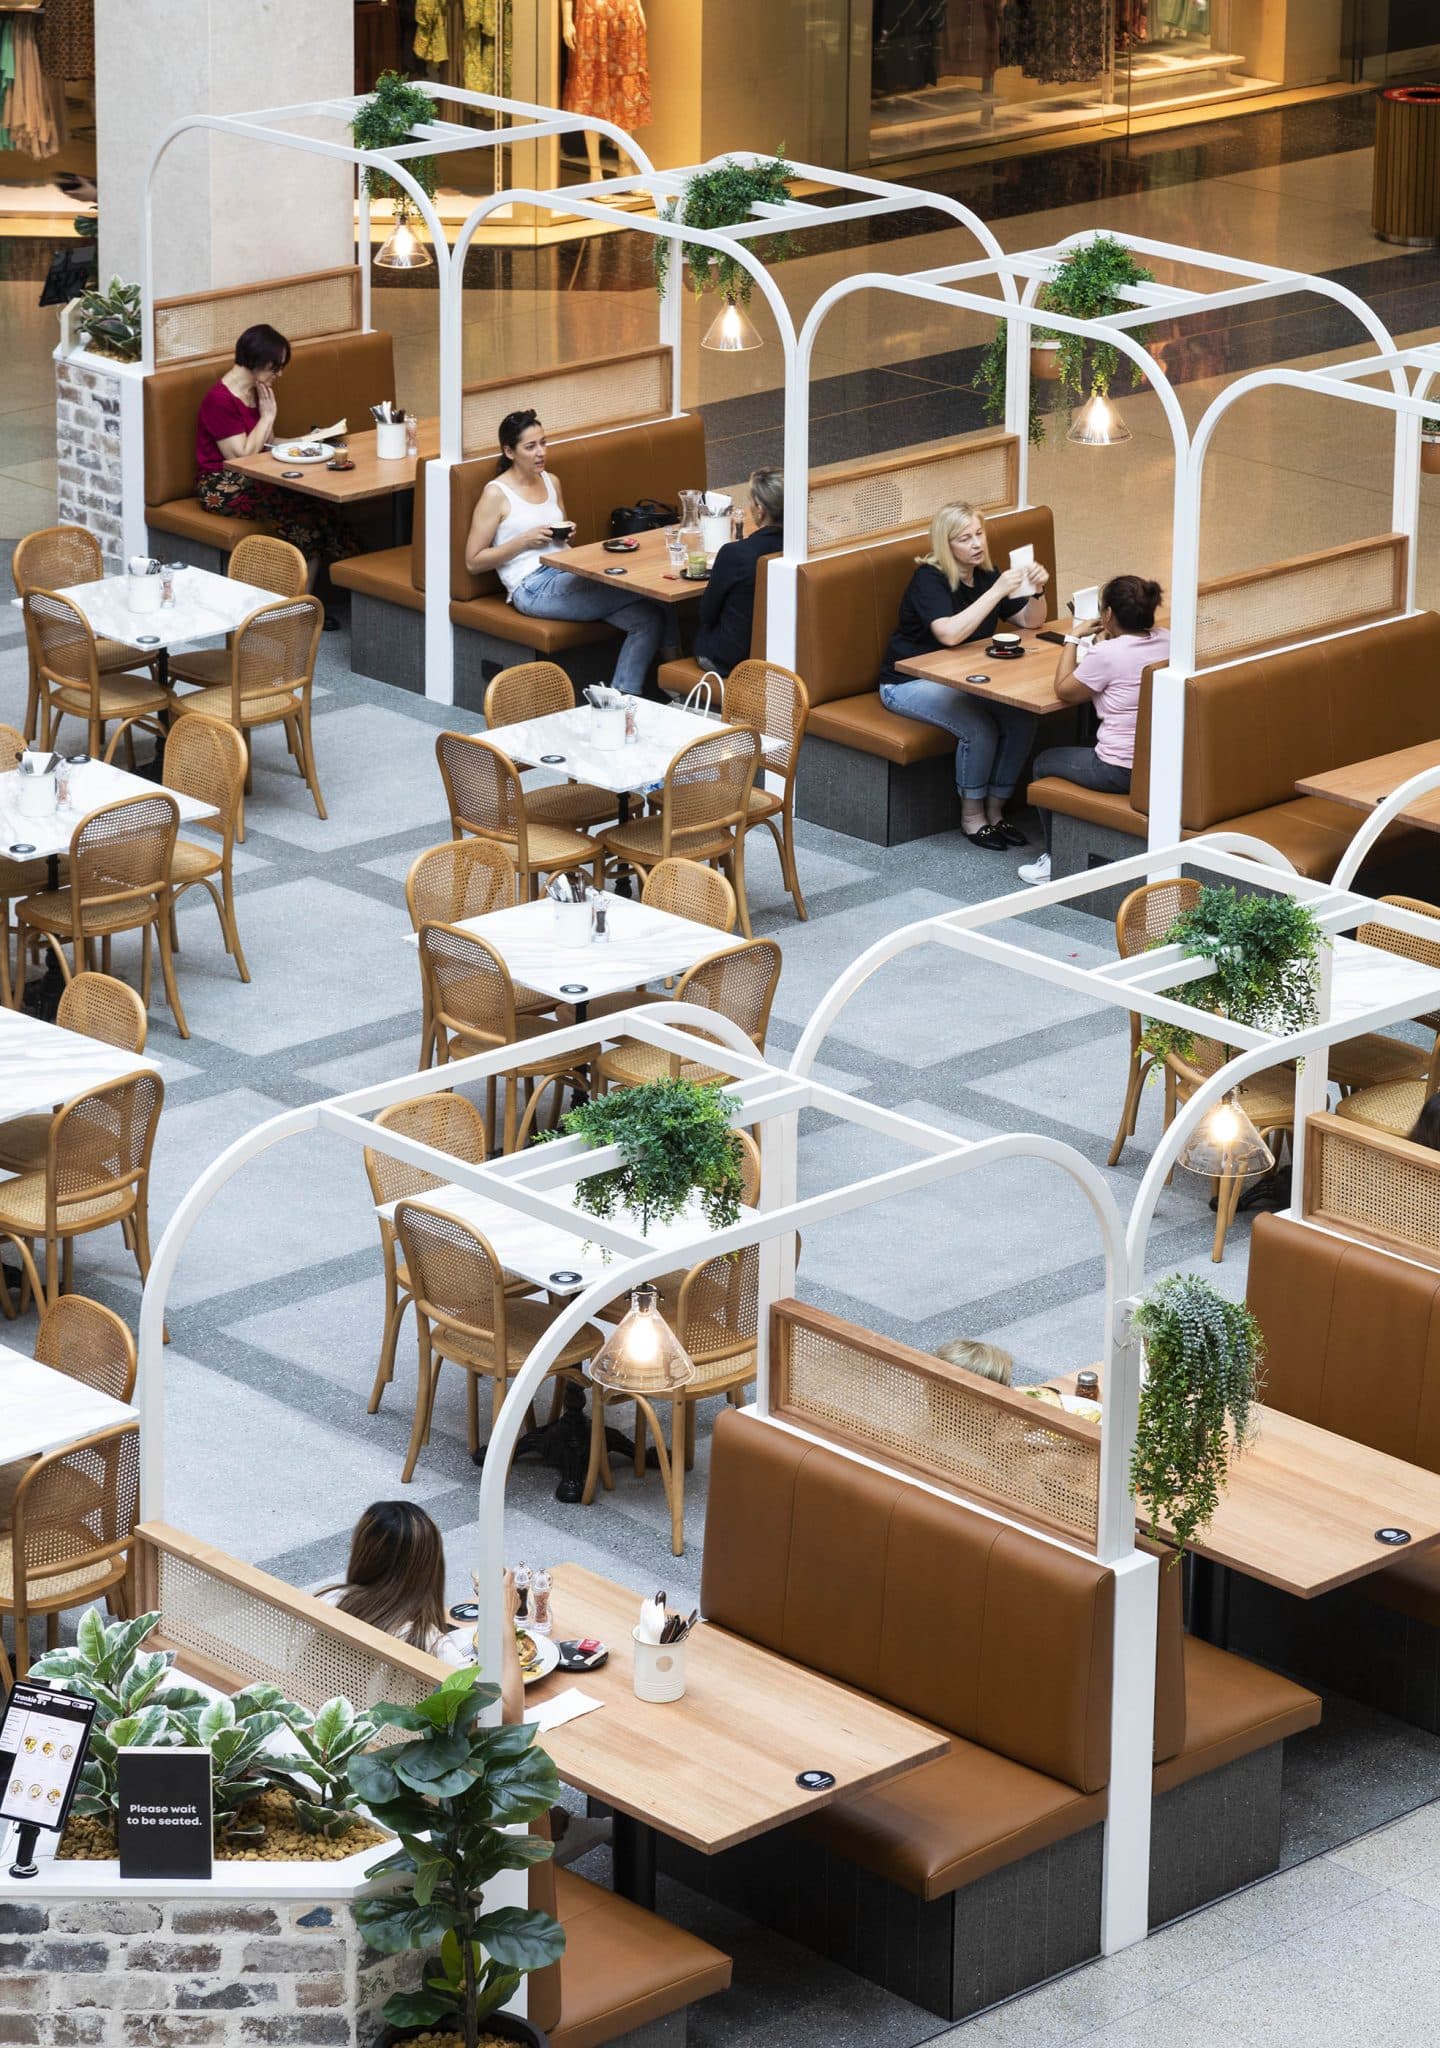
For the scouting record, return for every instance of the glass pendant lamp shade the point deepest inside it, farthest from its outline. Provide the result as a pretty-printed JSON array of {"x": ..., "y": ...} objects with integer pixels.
[
  {"x": 402, "y": 248},
  {"x": 642, "y": 1355},
  {"x": 731, "y": 330},
  {"x": 1098, "y": 424},
  {"x": 1226, "y": 1142}
]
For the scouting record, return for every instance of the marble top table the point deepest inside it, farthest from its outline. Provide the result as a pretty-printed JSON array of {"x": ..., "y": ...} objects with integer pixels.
[
  {"x": 206, "y": 607},
  {"x": 42, "y": 1064},
  {"x": 43, "y": 1410},
  {"x": 1363, "y": 976},
  {"x": 646, "y": 945},
  {"x": 93, "y": 785},
  {"x": 562, "y": 741}
]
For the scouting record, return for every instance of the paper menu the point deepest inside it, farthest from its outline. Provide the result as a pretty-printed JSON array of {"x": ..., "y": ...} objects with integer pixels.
[
  {"x": 1085, "y": 604},
  {"x": 1021, "y": 558},
  {"x": 328, "y": 433}
]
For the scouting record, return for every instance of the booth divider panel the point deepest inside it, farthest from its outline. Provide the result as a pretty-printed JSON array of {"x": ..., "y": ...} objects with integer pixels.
[
  {"x": 573, "y": 398},
  {"x": 1373, "y": 1185},
  {"x": 899, "y": 493},
  {"x": 1356, "y": 584},
  {"x": 318, "y": 302},
  {"x": 864, "y": 1393}
]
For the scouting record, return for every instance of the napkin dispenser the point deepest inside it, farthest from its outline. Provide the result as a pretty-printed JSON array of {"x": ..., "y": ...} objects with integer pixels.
[
  {"x": 35, "y": 784},
  {"x": 569, "y": 910},
  {"x": 714, "y": 523},
  {"x": 144, "y": 588},
  {"x": 607, "y": 718}
]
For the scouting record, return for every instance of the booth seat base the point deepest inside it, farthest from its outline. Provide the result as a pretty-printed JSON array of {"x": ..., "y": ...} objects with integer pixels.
[
  {"x": 871, "y": 798},
  {"x": 1377, "y": 1642}
]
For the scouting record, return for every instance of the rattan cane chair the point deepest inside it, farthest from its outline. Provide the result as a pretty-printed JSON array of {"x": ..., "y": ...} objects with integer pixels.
[
  {"x": 87, "y": 1343},
  {"x": 120, "y": 862},
  {"x": 462, "y": 1313},
  {"x": 487, "y": 801},
  {"x": 471, "y": 1002},
  {"x": 452, "y": 1124},
  {"x": 65, "y": 660},
  {"x": 95, "y": 1006},
  {"x": 205, "y": 758},
  {"x": 739, "y": 985},
  {"x": 1140, "y": 923},
  {"x": 271, "y": 674},
  {"x": 74, "y": 1519},
  {"x": 53, "y": 559},
  {"x": 1393, "y": 1105},
  {"x": 777, "y": 704},
  {"x": 96, "y": 1172},
  {"x": 685, "y": 889},
  {"x": 463, "y": 878},
  {"x": 713, "y": 1309},
  {"x": 17, "y": 878},
  {"x": 704, "y": 810},
  {"x": 537, "y": 689},
  {"x": 1377, "y": 1060},
  {"x": 265, "y": 562},
  {"x": 1268, "y": 1099}
]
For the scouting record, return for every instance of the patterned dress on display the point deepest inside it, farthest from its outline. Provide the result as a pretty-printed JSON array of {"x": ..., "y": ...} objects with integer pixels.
[{"x": 607, "y": 74}]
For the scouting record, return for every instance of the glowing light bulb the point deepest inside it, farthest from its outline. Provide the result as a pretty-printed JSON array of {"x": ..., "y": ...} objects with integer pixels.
[
  {"x": 1098, "y": 424},
  {"x": 731, "y": 331}
]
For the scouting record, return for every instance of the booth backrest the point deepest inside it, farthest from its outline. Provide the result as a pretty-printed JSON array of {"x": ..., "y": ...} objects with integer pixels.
[
  {"x": 597, "y": 472},
  {"x": 1352, "y": 1338},
  {"x": 1252, "y": 729},
  {"x": 848, "y": 605},
  {"x": 996, "y": 1635},
  {"x": 334, "y": 377}
]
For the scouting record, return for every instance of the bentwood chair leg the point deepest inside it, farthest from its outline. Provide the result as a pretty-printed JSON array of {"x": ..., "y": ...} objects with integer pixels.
[
  {"x": 472, "y": 1410},
  {"x": 309, "y": 771},
  {"x": 146, "y": 978},
  {"x": 231, "y": 928},
  {"x": 690, "y": 1413},
  {"x": 395, "y": 1306},
  {"x": 782, "y": 832},
  {"x": 67, "y": 1265},
  {"x": 167, "y": 969},
  {"x": 424, "y": 1395},
  {"x": 52, "y": 1629},
  {"x": 498, "y": 1384},
  {"x": 1139, "y": 1067},
  {"x": 1227, "y": 1184},
  {"x": 598, "y": 1463},
  {"x": 639, "y": 1441}
]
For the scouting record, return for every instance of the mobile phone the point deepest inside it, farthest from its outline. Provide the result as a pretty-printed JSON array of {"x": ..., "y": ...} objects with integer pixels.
[{"x": 1055, "y": 639}]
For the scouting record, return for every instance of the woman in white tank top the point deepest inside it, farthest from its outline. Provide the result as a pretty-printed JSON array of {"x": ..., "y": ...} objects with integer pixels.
[{"x": 513, "y": 527}]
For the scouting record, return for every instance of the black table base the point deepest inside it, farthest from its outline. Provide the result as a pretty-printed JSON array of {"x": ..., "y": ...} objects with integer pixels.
[
  {"x": 565, "y": 1445},
  {"x": 633, "y": 1853}
]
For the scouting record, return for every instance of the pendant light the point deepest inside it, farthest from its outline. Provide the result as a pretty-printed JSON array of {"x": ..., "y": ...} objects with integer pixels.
[
  {"x": 1098, "y": 424},
  {"x": 642, "y": 1355},
  {"x": 1226, "y": 1142},
  {"x": 402, "y": 248},
  {"x": 731, "y": 330}
]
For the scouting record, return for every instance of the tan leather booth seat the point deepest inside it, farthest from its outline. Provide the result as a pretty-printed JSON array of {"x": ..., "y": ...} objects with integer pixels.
[
  {"x": 1254, "y": 729},
  {"x": 847, "y": 607},
  {"x": 334, "y": 377}
]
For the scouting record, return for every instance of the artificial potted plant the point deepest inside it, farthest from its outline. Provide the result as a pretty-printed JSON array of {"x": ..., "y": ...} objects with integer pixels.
[
  {"x": 1086, "y": 285},
  {"x": 675, "y": 1140},
  {"x": 109, "y": 321},
  {"x": 453, "y": 1793},
  {"x": 1265, "y": 952},
  {"x": 1201, "y": 1386},
  {"x": 724, "y": 196},
  {"x": 385, "y": 118},
  {"x": 1430, "y": 444}
]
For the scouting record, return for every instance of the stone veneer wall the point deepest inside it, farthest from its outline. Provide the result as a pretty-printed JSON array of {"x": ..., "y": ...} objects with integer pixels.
[
  {"x": 87, "y": 446},
  {"x": 189, "y": 1973}
]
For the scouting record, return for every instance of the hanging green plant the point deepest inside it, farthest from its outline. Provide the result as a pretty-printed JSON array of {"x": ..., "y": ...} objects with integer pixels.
[
  {"x": 1266, "y": 955},
  {"x": 1202, "y": 1383},
  {"x": 386, "y": 118},
  {"x": 675, "y": 1140},
  {"x": 1086, "y": 284},
  {"x": 724, "y": 196}
]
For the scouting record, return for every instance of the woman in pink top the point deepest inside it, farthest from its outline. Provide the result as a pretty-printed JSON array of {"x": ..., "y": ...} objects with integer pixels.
[
  {"x": 237, "y": 417},
  {"x": 1104, "y": 663}
]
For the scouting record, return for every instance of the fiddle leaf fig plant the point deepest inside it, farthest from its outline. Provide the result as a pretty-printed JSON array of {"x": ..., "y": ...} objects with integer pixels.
[
  {"x": 1202, "y": 1382},
  {"x": 1265, "y": 952},
  {"x": 1086, "y": 284},
  {"x": 675, "y": 1140},
  {"x": 724, "y": 196}
]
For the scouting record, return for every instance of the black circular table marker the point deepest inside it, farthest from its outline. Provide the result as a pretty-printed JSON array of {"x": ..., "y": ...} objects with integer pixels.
[
  {"x": 574, "y": 988},
  {"x": 552, "y": 760},
  {"x": 290, "y": 475},
  {"x": 1396, "y": 1536},
  {"x": 566, "y": 1278},
  {"x": 147, "y": 639},
  {"x": 815, "y": 1781},
  {"x": 979, "y": 677},
  {"x": 21, "y": 846}
]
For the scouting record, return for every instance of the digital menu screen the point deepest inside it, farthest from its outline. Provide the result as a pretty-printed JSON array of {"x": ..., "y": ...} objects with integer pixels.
[{"x": 42, "y": 1746}]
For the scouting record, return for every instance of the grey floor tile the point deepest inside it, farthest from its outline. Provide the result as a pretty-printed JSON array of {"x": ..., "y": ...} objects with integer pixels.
[{"x": 351, "y": 743}]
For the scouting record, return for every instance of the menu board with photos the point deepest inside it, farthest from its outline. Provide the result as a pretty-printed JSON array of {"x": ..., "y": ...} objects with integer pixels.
[{"x": 42, "y": 1746}]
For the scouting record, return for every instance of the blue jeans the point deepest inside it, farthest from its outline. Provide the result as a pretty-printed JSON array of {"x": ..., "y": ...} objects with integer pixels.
[
  {"x": 991, "y": 740},
  {"x": 1081, "y": 765},
  {"x": 550, "y": 593}
]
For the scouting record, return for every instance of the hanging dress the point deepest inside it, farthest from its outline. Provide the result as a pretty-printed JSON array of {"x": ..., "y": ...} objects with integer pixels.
[{"x": 607, "y": 74}]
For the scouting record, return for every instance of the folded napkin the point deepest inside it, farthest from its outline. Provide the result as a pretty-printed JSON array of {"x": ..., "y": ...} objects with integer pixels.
[{"x": 565, "y": 1706}]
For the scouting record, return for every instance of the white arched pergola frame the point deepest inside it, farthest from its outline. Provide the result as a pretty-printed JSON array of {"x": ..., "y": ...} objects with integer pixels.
[{"x": 534, "y": 1181}]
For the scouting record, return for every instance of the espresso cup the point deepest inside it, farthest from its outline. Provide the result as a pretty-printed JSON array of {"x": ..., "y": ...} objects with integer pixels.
[{"x": 1006, "y": 639}]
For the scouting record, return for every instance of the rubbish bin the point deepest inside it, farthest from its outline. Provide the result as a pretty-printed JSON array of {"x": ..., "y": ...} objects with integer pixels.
[{"x": 1405, "y": 202}]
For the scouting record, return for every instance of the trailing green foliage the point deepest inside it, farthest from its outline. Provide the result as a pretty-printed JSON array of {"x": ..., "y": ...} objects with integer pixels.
[
  {"x": 1086, "y": 285},
  {"x": 385, "y": 119},
  {"x": 723, "y": 197},
  {"x": 450, "y": 1794},
  {"x": 110, "y": 320},
  {"x": 1202, "y": 1381},
  {"x": 1266, "y": 955},
  {"x": 675, "y": 1139}
]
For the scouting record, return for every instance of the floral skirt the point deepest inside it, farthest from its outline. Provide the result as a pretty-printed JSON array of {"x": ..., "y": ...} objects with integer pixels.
[
  {"x": 607, "y": 74},
  {"x": 312, "y": 528}
]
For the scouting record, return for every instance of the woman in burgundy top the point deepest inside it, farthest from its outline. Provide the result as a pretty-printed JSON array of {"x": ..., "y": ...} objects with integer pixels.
[{"x": 237, "y": 417}]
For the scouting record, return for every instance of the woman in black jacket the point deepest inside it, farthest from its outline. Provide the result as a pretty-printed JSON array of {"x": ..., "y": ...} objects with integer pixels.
[{"x": 727, "y": 605}]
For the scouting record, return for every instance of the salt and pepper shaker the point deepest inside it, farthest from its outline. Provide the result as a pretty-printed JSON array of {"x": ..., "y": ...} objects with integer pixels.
[
  {"x": 1087, "y": 1385},
  {"x": 412, "y": 435},
  {"x": 737, "y": 524},
  {"x": 540, "y": 1618},
  {"x": 522, "y": 1592},
  {"x": 599, "y": 917},
  {"x": 632, "y": 722}
]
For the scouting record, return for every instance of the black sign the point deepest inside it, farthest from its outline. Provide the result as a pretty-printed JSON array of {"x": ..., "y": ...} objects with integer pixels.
[
  {"x": 1396, "y": 1536},
  {"x": 164, "y": 1824},
  {"x": 42, "y": 1746},
  {"x": 815, "y": 1781}
]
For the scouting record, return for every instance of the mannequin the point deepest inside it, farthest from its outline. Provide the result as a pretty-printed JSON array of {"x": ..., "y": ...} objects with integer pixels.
[{"x": 608, "y": 74}]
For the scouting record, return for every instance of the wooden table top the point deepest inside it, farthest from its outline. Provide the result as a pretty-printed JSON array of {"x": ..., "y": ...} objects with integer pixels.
[
  {"x": 1364, "y": 784},
  {"x": 1028, "y": 684},
  {"x": 647, "y": 568},
  {"x": 718, "y": 1766},
  {"x": 370, "y": 478}
]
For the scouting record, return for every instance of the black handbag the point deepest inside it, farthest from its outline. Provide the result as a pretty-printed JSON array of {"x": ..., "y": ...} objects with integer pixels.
[{"x": 643, "y": 517}]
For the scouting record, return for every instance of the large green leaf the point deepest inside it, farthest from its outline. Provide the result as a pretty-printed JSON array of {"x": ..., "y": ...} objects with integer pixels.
[
  {"x": 90, "y": 1636},
  {"x": 422, "y": 1764},
  {"x": 430, "y": 1872},
  {"x": 389, "y": 1715},
  {"x": 419, "y": 2008},
  {"x": 393, "y": 1923},
  {"x": 373, "y": 1780},
  {"x": 496, "y": 1989},
  {"x": 519, "y": 1939},
  {"x": 216, "y": 1715},
  {"x": 333, "y": 1723},
  {"x": 522, "y": 1789}
]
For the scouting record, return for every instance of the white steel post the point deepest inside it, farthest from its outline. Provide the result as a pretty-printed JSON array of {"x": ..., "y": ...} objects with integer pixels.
[
  {"x": 1167, "y": 755},
  {"x": 1125, "y": 1885}
]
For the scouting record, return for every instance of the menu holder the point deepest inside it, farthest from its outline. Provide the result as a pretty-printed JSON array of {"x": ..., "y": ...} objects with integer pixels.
[
  {"x": 164, "y": 1822},
  {"x": 43, "y": 1739}
]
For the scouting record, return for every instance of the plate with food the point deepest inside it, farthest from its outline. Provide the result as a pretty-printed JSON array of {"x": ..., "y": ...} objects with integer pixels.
[
  {"x": 301, "y": 451},
  {"x": 538, "y": 1655},
  {"x": 1073, "y": 1404}
]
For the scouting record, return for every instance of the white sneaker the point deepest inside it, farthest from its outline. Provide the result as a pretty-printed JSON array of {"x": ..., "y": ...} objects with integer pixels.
[{"x": 1035, "y": 871}]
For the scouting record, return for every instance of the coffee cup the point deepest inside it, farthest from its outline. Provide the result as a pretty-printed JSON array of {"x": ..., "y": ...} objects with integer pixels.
[
  {"x": 1006, "y": 639},
  {"x": 560, "y": 534}
]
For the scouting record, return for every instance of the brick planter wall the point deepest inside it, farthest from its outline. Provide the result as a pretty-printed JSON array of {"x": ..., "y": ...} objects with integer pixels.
[
  {"x": 187, "y": 1973},
  {"x": 88, "y": 436}
]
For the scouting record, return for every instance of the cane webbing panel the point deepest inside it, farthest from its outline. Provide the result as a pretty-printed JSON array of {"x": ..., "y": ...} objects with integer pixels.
[
  {"x": 853, "y": 502},
  {"x": 1373, "y": 1185},
  {"x": 1301, "y": 599},
  {"x": 883, "y": 1400},
  {"x": 260, "y": 1638},
  {"x": 573, "y": 398},
  {"x": 206, "y": 323}
]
